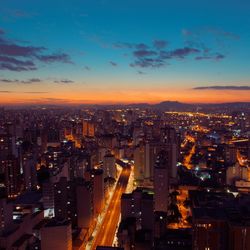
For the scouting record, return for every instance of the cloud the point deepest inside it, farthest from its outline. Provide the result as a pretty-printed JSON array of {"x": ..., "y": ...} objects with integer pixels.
[
  {"x": 158, "y": 59},
  {"x": 160, "y": 44},
  {"x": 12, "y": 67},
  {"x": 217, "y": 87},
  {"x": 183, "y": 52},
  {"x": 8, "y": 81},
  {"x": 54, "y": 100},
  {"x": 153, "y": 55},
  {"x": 87, "y": 68},
  {"x": 64, "y": 81},
  {"x": 35, "y": 92},
  {"x": 25, "y": 92},
  {"x": 199, "y": 58},
  {"x": 219, "y": 57},
  {"x": 32, "y": 80},
  {"x": 13, "y": 64},
  {"x": 17, "y": 50},
  {"x": 138, "y": 46},
  {"x": 216, "y": 57},
  {"x": 5, "y": 91},
  {"x": 141, "y": 72},
  {"x": 180, "y": 53},
  {"x": 113, "y": 63},
  {"x": 157, "y": 54},
  {"x": 12, "y": 60},
  {"x": 16, "y": 57},
  {"x": 148, "y": 63},
  {"x": 58, "y": 57},
  {"x": 144, "y": 53}
]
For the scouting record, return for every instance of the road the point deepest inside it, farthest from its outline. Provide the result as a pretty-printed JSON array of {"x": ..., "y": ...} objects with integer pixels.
[
  {"x": 187, "y": 159},
  {"x": 106, "y": 233},
  {"x": 242, "y": 160},
  {"x": 185, "y": 212}
]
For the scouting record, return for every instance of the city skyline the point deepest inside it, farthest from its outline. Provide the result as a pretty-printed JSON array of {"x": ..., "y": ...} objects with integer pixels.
[{"x": 109, "y": 52}]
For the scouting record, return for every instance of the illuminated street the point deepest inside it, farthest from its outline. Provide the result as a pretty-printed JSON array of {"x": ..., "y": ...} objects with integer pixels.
[
  {"x": 242, "y": 160},
  {"x": 185, "y": 211},
  {"x": 187, "y": 158},
  {"x": 106, "y": 234}
]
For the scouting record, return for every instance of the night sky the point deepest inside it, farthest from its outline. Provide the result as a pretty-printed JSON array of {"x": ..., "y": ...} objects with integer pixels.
[{"x": 124, "y": 51}]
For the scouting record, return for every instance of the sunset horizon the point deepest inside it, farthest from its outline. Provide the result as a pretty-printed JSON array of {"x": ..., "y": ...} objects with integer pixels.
[{"x": 213, "y": 94}]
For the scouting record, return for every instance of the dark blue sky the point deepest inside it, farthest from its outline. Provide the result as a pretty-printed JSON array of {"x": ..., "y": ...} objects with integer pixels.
[{"x": 97, "y": 50}]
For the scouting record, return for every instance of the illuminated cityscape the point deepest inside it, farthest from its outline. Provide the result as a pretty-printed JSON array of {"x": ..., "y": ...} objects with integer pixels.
[
  {"x": 128, "y": 177},
  {"x": 124, "y": 125}
]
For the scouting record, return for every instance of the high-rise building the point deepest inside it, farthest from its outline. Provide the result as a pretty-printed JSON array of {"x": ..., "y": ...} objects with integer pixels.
[
  {"x": 56, "y": 235},
  {"x": 10, "y": 170},
  {"x": 235, "y": 173},
  {"x": 88, "y": 128},
  {"x": 9, "y": 167},
  {"x": 53, "y": 137},
  {"x": 248, "y": 149},
  {"x": 140, "y": 205},
  {"x": 6, "y": 217},
  {"x": 126, "y": 233},
  {"x": 230, "y": 153},
  {"x": 139, "y": 161},
  {"x": 48, "y": 198},
  {"x": 5, "y": 146},
  {"x": 152, "y": 150},
  {"x": 30, "y": 176},
  {"x": 95, "y": 176},
  {"x": 65, "y": 200},
  {"x": 160, "y": 224},
  {"x": 239, "y": 236},
  {"x": 161, "y": 180},
  {"x": 209, "y": 229},
  {"x": 84, "y": 200},
  {"x": 109, "y": 166},
  {"x": 98, "y": 190},
  {"x": 169, "y": 137}
]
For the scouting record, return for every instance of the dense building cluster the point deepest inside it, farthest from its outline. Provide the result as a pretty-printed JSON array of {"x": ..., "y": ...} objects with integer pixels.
[{"x": 124, "y": 178}]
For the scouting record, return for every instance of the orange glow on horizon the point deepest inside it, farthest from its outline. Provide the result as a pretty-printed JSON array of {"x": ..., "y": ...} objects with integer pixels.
[{"x": 115, "y": 96}]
